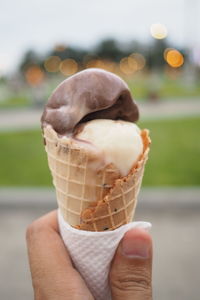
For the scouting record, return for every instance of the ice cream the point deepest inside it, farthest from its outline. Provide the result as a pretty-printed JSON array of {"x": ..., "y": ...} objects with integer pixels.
[
  {"x": 119, "y": 142},
  {"x": 96, "y": 153},
  {"x": 87, "y": 95}
]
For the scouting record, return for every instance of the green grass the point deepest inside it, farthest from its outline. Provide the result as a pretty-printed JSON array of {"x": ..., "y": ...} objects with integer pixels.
[
  {"x": 142, "y": 87},
  {"x": 173, "y": 160},
  {"x": 175, "y": 153},
  {"x": 13, "y": 102},
  {"x": 178, "y": 89},
  {"x": 23, "y": 159}
]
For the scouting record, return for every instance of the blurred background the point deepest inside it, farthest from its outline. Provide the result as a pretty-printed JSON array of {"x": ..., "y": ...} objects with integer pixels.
[{"x": 155, "y": 47}]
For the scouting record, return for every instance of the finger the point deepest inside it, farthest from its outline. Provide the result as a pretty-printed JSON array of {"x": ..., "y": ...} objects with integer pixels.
[
  {"x": 44, "y": 242},
  {"x": 53, "y": 275},
  {"x": 131, "y": 270}
]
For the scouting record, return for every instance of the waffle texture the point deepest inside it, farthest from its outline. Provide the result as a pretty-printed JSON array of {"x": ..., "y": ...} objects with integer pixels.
[{"x": 99, "y": 202}]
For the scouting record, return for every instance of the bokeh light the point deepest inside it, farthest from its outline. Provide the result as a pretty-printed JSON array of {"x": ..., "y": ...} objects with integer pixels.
[
  {"x": 104, "y": 64},
  {"x": 34, "y": 75},
  {"x": 110, "y": 66},
  {"x": 124, "y": 66},
  {"x": 158, "y": 31},
  {"x": 52, "y": 63},
  {"x": 60, "y": 48},
  {"x": 166, "y": 51},
  {"x": 136, "y": 60},
  {"x": 68, "y": 67},
  {"x": 95, "y": 63},
  {"x": 174, "y": 58},
  {"x": 132, "y": 63}
]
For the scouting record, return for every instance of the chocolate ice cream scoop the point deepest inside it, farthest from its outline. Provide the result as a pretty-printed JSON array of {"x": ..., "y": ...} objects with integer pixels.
[{"x": 87, "y": 95}]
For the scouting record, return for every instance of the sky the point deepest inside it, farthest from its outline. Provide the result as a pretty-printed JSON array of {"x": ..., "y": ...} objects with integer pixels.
[{"x": 42, "y": 24}]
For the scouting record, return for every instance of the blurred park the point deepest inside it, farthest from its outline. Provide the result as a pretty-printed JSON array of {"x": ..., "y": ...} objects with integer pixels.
[
  {"x": 163, "y": 74},
  {"x": 160, "y": 77}
]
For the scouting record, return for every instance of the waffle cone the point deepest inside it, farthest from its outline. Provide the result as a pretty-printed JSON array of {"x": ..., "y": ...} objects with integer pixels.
[{"x": 92, "y": 200}]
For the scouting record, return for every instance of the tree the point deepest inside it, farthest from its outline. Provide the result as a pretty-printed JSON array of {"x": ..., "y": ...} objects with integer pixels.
[
  {"x": 109, "y": 49},
  {"x": 30, "y": 58},
  {"x": 155, "y": 55}
]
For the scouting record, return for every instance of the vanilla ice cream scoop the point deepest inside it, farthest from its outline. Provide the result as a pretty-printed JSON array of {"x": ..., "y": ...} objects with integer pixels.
[{"x": 119, "y": 141}]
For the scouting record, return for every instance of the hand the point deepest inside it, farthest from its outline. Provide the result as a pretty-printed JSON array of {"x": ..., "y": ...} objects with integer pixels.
[
  {"x": 130, "y": 274},
  {"x": 54, "y": 276}
]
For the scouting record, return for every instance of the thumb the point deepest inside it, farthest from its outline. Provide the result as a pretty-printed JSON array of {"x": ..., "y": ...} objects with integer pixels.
[{"x": 130, "y": 274}]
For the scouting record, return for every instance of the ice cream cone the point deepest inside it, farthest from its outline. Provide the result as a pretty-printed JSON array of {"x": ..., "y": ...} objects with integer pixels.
[{"x": 96, "y": 203}]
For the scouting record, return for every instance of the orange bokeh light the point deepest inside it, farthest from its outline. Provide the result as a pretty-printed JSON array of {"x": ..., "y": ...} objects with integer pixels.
[
  {"x": 174, "y": 58},
  {"x": 110, "y": 66},
  {"x": 95, "y": 63},
  {"x": 101, "y": 64},
  {"x": 124, "y": 66},
  {"x": 34, "y": 75},
  {"x": 136, "y": 61},
  {"x": 132, "y": 64},
  {"x": 166, "y": 51},
  {"x": 52, "y": 63},
  {"x": 68, "y": 67}
]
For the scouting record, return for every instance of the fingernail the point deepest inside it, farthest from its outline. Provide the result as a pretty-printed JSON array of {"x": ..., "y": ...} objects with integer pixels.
[{"x": 135, "y": 248}]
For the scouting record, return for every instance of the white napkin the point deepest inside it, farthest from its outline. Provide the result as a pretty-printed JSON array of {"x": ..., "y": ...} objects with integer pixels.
[{"x": 92, "y": 253}]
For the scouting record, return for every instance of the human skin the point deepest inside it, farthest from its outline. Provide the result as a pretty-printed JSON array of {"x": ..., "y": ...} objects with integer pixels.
[{"x": 54, "y": 276}]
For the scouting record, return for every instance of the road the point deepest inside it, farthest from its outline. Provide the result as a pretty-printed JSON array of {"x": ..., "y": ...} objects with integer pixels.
[
  {"x": 174, "y": 214},
  {"x": 15, "y": 119}
]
